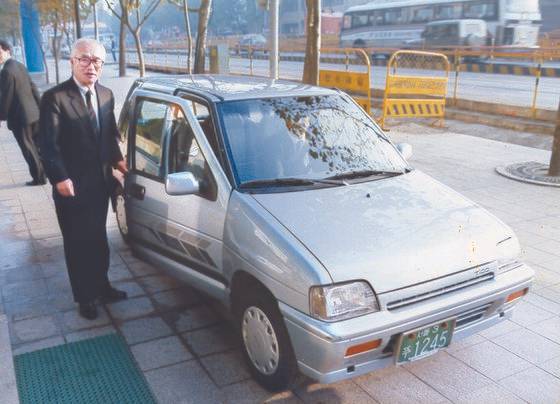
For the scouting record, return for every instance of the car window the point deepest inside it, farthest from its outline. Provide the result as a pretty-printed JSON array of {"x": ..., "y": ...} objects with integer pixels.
[
  {"x": 151, "y": 124},
  {"x": 184, "y": 151}
]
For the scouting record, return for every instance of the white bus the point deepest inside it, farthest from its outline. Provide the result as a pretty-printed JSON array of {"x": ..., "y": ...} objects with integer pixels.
[{"x": 394, "y": 23}]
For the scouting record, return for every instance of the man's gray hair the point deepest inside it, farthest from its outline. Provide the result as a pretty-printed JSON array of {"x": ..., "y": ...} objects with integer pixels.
[{"x": 87, "y": 43}]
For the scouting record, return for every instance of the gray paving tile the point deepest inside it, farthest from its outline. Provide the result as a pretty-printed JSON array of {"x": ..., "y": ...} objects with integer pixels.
[
  {"x": 37, "y": 345},
  {"x": 529, "y": 346},
  {"x": 27, "y": 290},
  {"x": 141, "y": 268},
  {"x": 491, "y": 394},
  {"x": 492, "y": 360},
  {"x": 158, "y": 283},
  {"x": 72, "y": 321},
  {"x": 119, "y": 273},
  {"x": 552, "y": 366},
  {"x": 249, "y": 392},
  {"x": 210, "y": 340},
  {"x": 35, "y": 328},
  {"x": 465, "y": 343},
  {"x": 183, "y": 383},
  {"x": 176, "y": 299},
  {"x": 8, "y": 385},
  {"x": 190, "y": 319},
  {"x": 501, "y": 328},
  {"x": 534, "y": 385},
  {"x": 131, "y": 308},
  {"x": 549, "y": 328},
  {"x": 25, "y": 309},
  {"x": 23, "y": 274},
  {"x": 226, "y": 368},
  {"x": 397, "y": 385},
  {"x": 131, "y": 287},
  {"x": 144, "y": 329},
  {"x": 543, "y": 303},
  {"x": 160, "y": 352},
  {"x": 526, "y": 313},
  {"x": 341, "y": 392},
  {"x": 449, "y": 376},
  {"x": 90, "y": 333}
]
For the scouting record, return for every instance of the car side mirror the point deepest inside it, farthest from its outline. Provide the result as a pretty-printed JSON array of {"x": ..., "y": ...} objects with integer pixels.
[
  {"x": 405, "y": 149},
  {"x": 183, "y": 183}
]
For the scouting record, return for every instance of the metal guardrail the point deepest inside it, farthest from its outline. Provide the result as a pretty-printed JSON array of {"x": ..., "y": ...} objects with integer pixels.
[{"x": 542, "y": 65}]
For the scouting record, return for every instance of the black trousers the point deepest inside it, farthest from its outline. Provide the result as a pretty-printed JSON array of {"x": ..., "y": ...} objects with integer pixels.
[
  {"x": 82, "y": 220},
  {"x": 25, "y": 137}
]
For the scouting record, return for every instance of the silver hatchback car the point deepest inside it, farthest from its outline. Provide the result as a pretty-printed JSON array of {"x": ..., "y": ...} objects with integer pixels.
[{"x": 289, "y": 205}]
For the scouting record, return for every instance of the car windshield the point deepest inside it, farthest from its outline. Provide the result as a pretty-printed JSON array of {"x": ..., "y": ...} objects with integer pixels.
[{"x": 314, "y": 137}]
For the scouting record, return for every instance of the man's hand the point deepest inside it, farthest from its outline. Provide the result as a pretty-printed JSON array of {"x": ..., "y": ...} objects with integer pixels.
[
  {"x": 65, "y": 188},
  {"x": 121, "y": 166}
]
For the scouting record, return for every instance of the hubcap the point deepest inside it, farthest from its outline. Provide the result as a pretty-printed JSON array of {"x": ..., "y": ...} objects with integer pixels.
[
  {"x": 260, "y": 340},
  {"x": 121, "y": 215}
]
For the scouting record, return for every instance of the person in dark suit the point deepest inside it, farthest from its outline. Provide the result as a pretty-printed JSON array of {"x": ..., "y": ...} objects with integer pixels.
[
  {"x": 19, "y": 105},
  {"x": 79, "y": 147}
]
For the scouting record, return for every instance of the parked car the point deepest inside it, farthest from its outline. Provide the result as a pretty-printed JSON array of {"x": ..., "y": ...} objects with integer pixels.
[{"x": 289, "y": 205}]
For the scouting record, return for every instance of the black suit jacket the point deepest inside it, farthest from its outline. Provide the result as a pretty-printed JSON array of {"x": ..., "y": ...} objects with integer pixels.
[
  {"x": 19, "y": 97},
  {"x": 69, "y": 146}
]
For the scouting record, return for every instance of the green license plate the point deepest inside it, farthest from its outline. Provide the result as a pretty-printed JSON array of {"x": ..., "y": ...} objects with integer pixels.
[{"x": 417, "y": 344}]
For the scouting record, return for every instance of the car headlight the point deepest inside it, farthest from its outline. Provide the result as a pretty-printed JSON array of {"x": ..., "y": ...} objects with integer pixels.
[
  {"x": 342, "y": 301},
  {"x": 505, "y": 265}
]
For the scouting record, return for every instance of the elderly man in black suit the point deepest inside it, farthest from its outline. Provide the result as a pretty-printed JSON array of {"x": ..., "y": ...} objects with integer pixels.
[
  {"x": 19, "y": 105},
  {"x": 79, "y": 147}
]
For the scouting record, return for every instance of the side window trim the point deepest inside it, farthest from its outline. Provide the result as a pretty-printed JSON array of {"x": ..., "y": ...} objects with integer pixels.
[
  {"x": 167, "y": 144},
  {"x": 220, "y": 154},
  {"x": 132, "y": 144}
]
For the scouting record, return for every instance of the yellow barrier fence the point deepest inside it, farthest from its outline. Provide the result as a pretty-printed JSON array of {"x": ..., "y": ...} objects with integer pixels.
[
  {"x": 415, "y": 85},
  {"x": 356, "y": 83}
]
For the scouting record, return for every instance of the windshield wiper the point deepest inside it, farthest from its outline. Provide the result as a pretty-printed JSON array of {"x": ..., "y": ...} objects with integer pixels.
[
  {"x": 286, "y": 182},
  {"x": 364, "y": 173}
]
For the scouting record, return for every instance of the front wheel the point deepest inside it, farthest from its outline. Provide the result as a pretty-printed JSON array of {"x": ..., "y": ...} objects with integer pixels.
[{"x": 266, "y": 343}]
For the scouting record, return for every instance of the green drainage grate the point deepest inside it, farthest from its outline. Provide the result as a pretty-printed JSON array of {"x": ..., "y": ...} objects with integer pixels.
[{"x": 97, "y": 370}]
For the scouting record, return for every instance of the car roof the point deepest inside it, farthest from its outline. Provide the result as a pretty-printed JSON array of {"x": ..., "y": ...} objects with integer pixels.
[{"x": 226, "y": 88}]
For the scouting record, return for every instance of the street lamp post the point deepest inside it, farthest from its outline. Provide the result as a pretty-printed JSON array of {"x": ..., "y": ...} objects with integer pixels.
[{"x": 274, "y": 10}]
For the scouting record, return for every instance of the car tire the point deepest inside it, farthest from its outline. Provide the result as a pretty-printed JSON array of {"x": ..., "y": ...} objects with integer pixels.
[
  {"x": 120, "y": 212},
  {"x": 265, "y": 341}
]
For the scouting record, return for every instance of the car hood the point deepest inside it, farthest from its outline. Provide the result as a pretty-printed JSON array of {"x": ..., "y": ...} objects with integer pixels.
[{"x": 393, "y": 232}]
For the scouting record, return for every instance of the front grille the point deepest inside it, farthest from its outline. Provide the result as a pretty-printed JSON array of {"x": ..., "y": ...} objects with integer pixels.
[
  {"x": 397, "y": 304},
  {"x": 463, "y": 319}
]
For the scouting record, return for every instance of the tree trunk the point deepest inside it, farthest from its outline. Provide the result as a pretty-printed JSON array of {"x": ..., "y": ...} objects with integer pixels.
[
  {"x": 313, "y": 44},
  {"x": 122, "y": 49},
  {"x": 203, "y": 17},
  {"x": 95, "y": 25},
  {"x": 77, "y": 19},
  {"x": 189, "y": 36},
  {"x": 141, "y": 66},
  {"x": 554, "y": 168},
  {"x": 56, "y": 53}
]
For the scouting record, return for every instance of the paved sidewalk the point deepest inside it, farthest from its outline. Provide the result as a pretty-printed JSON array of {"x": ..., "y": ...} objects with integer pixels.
[{"x": 186, "y": 349}]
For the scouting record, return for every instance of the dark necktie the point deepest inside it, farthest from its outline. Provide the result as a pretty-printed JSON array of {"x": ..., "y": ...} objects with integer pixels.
[{"x": 91, "y": 113}]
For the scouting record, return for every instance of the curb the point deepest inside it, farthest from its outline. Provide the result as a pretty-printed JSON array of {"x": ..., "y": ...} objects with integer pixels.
[{"x": 8, "y": 386}]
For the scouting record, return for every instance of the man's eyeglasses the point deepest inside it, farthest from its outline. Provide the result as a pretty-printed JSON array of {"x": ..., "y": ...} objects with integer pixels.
[{"x": 86, "y": 61}]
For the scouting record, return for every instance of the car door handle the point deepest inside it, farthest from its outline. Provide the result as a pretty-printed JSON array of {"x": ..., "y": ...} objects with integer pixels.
[{"x": 137, "y": 191}]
